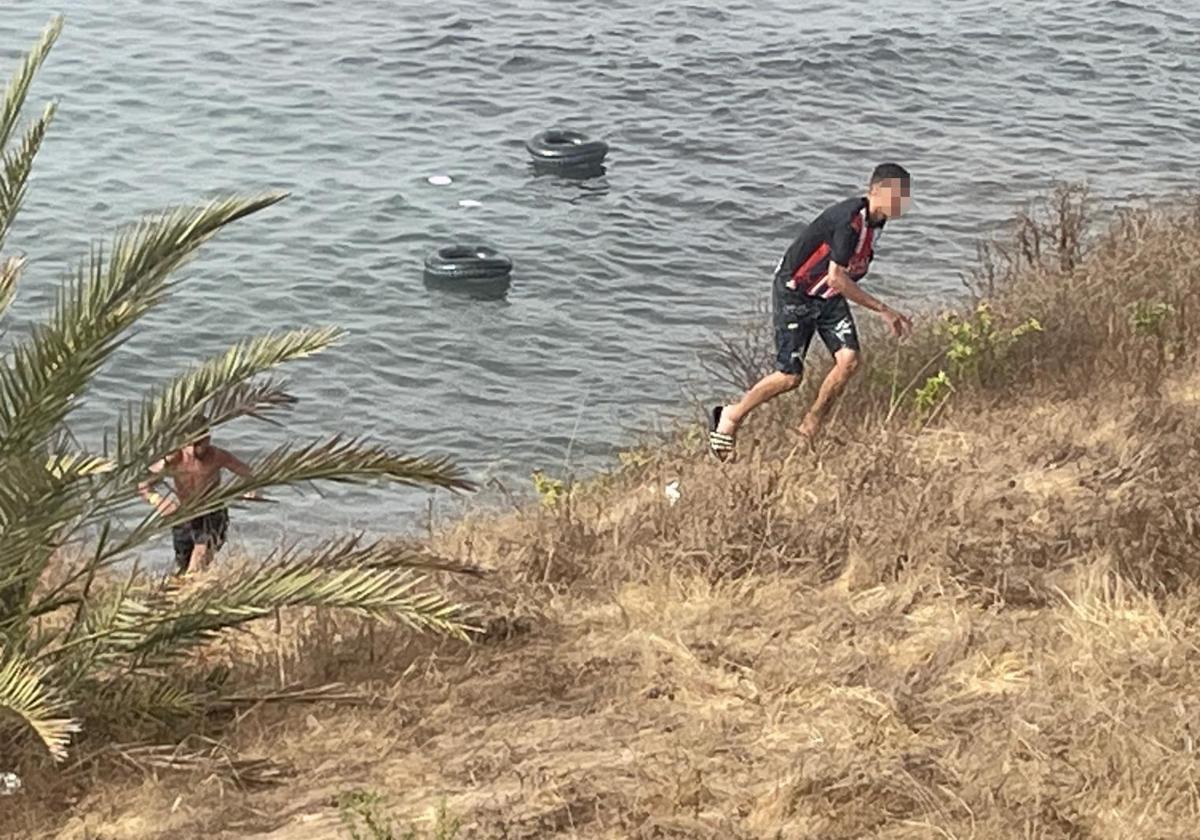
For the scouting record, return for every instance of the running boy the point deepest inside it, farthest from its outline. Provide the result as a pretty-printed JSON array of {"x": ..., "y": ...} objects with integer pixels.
[{"x": 818, "y": 274}]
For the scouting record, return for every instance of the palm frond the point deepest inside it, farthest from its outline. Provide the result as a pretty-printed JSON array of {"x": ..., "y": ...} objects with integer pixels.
[
  {"x": 14, "y": 174},
  {"x": 349, "y": 460},
  {"x": 37, "y": 511},
  {"x": 18, "y": 86},
  {"x": 78, "y": 464},
  {"x": 45, "y": 500},
  {"x": 153, "y": 635},
  {"x": 143, "y": 698},
  {"x": 217, "y": 388},
  {"x": 10, "y": 272},
  {"x": 259, "y": 400},
  {"x": 78, "y": 655},
  {"x": 44, "y": 374},
  {"x": 26, "y": 694}
]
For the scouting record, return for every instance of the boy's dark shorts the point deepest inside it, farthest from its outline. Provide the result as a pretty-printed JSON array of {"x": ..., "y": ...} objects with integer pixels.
[
  {"x": 209, "y": 529},
  {"x": 797, "y": 317}
]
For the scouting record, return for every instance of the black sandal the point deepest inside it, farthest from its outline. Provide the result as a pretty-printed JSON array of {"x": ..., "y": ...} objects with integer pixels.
[{"x": 719, "y": 444}]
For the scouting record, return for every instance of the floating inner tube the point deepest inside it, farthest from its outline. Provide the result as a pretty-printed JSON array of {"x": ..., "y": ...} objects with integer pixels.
[
  {"x": 467, "y": 262},
  {"x": 558, "y": 148}
]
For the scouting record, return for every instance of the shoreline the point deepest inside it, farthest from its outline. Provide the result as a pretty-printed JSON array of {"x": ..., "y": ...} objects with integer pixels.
[{"x": 969, "y": 615}]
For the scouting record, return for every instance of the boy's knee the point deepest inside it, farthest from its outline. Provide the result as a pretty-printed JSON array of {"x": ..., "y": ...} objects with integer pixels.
[
  {"x": 791, "y": 381},
  {"x": 848, "y": 364}
]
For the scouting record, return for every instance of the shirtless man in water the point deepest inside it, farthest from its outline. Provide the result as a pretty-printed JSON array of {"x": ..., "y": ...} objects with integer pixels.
[{"x": 195, "y": 470}]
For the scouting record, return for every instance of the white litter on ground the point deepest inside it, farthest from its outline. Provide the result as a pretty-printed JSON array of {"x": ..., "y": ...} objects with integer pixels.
[
  {"x": 10, "y": 783},
  {"x": 672, "y": 492},
  {"x": 469, "y": 202},
  {"x": 440, "y": 180}
]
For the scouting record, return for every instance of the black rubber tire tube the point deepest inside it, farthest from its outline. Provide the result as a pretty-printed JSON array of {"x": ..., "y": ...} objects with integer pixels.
[
  {"x": 467, "y": 262},
  {"x": 560, "y": 148}
]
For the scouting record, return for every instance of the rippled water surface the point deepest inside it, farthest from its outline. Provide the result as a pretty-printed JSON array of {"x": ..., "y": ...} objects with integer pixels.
[{"x": 729, "y": 128}]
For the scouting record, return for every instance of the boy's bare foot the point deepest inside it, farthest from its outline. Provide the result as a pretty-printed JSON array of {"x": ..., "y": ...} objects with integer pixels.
[{"x": 809, "y": 428}]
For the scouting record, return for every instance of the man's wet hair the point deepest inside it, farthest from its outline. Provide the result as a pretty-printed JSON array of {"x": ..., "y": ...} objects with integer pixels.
[
  {"x": 889, "y": 172},
  {"x": 197, "y": 428}
]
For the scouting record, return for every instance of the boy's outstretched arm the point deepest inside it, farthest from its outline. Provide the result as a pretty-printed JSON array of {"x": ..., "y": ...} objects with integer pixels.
[
  {"x": 237, "y": 466},
  {"x": 840, "y": 282},
  {"x": 165, "y": 505}
]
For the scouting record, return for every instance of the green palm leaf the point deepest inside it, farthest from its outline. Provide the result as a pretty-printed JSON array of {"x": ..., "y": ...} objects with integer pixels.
[
  {"x": 157, "y": 632},
  {"x": 14, "y": 174},
  {"x": 36, "y": 513},
  {"x": 44, "y": 374},
  {"x": 18, "y": 86},
  {"x": 139, "y": 697},
  {"x": 10, "y": 272},
  {"x": 217, "y": 388},
  {"x": 26, "y": 695},
  {"x": 343, "y": 459},
  {"x": 78, "y": 654}
]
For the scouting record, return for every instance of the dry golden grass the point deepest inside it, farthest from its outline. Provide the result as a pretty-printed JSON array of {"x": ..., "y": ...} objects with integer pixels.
[{"x": 984, "y": 626}]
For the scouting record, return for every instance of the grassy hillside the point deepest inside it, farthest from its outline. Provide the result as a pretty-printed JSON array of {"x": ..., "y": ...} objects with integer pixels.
[{"x": 970, "y": 612}]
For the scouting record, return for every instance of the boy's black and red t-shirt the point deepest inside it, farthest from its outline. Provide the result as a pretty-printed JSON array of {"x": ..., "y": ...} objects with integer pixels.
[{"x": 843, "y": 233}]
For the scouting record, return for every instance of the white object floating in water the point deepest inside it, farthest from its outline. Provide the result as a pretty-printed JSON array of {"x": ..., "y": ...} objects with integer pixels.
[
  {"x": 672, "y": 492},
  {"x": 10, "y": 783},
  {"x": 440, "y": 180},
  {"x": 469, "y": 202}
]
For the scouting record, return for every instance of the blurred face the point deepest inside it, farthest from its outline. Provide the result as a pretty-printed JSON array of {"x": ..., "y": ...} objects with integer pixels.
[
  {"x": 891, "y": 197},
  {"x": 198, "y": 449}
]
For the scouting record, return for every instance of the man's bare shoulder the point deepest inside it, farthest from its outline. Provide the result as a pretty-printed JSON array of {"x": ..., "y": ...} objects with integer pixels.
[{"x": 222, "y": 456}]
